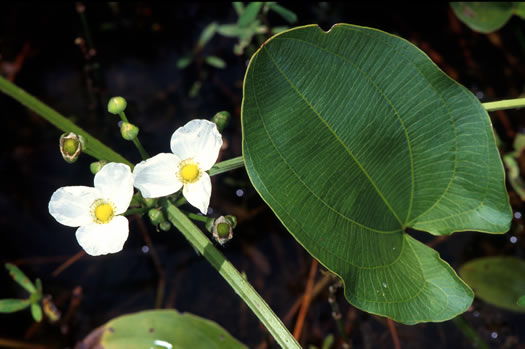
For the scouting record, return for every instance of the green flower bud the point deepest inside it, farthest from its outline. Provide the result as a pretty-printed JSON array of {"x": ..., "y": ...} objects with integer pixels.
[
  {"x": 222, "y": 230},
  {"x": 96, "y": 166},
  {"x": 129, "y": 131},
  {"x": 150, "y": 202},
  {"x": 155, "y": 216},
  {"x": 221, "y": 119},
  {"x": 71, "y": 145},
  {"x": 165, "y": 226},
  {"x": 117, "y": 105},
  {"x": 232, "y": 220}
]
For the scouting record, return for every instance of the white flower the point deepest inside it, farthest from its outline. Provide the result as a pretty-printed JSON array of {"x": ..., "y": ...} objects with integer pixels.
[
  {"x": 96, "y": 210},
  {"x": 195, "y": 148}
]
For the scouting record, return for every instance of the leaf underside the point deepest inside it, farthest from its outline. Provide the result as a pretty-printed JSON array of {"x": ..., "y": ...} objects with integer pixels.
[{"x": 354, "y": 135}]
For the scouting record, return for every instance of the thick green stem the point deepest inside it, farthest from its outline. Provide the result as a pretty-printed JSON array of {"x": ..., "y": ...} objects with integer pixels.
[
  {"x": 505, "y": 104},
  {"x": 240, "y": 285},
  {"x": 94, "y": 147},
  {"x": 133, "y": 211},
  {"x": 226, "y": 165}
]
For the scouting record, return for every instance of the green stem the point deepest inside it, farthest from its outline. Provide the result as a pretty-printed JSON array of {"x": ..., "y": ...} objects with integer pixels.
[
  {"x": 470, "y": 333},
  {"x": 94, "y": 147},
  {"x": 240, "y": 285},
  {"x": 226, "y": 165},
  {"x": 143, "y": 154},
  {"x": 133, "y": 211},
  {"x": 504, "y": 104},
  {"x": 196, "y": 217}
]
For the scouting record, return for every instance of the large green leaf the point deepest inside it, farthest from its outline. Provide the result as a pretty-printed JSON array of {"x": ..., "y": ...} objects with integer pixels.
[
  {"x": 354, "y": 135},
  {"x": 499, "y": 281},
  {"x": 483, "y": 17},
  {"x": 163, "y": 329}
]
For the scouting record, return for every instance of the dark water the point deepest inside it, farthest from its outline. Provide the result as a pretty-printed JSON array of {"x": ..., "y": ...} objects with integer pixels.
[{"x": 137, "y": 48}]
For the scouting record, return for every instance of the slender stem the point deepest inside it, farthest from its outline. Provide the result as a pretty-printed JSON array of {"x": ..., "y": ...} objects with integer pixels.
[
  {"x": 196, "y": 217},
  {"x": 470, "y": 333},
  {"x": 227, "y": 165},
  {"x": 240, "y": 285},
  {"x": 94, "y": 147},
  {"x": 136, "y": 141},
  {"x": 504, "y": 104},
  {"x": 181, "y": 201},
  {"x": 133, "y": 211}
]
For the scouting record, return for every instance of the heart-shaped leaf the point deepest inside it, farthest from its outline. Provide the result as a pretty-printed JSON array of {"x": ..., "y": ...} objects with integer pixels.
[
  {"x": 161, "y": 329},
  {"x": 499, "y": 281},
  {"x": 355, "y": 135}
]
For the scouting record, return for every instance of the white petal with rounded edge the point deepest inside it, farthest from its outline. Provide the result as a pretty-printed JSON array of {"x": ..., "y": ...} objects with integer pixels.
[
  {"x": 98, "y": 239},
  {"x": 198, "y": 139},
  {"x": 198, "y": 194},
  {"x": 157, "y": 176},
  {"x": 115, "y": 182},
  {"x": 71, "y": 205}
]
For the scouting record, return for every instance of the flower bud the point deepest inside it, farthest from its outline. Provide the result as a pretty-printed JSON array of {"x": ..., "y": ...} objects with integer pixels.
[
  {"x": 165, "y": 226},
  {"x": 155, "y": 216},
  {"x": 222, "y": 230},
  {"x": 71, "y": 145},
  {"x": 150, "y": 202},
  {"x": 117, "y": 105},
  {"x": 221, "y": 119},
  {"x": 128, "y": 131},
  {"x": 96, "y": 166}
]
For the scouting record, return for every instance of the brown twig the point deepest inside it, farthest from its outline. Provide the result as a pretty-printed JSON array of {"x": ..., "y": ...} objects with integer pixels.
[
  {"x": 393, "y": 332},
  {"x": 68, "y": 263},
  {"x": 306, "y": 300}
]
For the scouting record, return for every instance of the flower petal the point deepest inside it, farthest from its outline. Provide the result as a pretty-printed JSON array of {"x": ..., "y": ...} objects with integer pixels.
[
  {"x": 198, "y": 194},
  {"x": 157, "y": 176},
  {"x": 115, "y": 182},
  {"x": 198, "y": 139},
  {"x": 71, "y": 205},
  {"x": 98, "y": 239}
]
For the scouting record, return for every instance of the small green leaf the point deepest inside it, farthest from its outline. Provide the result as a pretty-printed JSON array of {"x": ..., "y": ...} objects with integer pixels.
[
  {"x": 207, "y": 33},
  {"x": 249, "y": 14},
  {"x": 230, "y": 30},
  {"x": 483, "y": 17},
  {"x": 10, "y": 305},
  {"x": 36, "y": 311},
  {"x": 328, "y": 342},
  {"x": 521, "y": 301},
  {"x": 499, "y": 281},
  {"x": 185, "y": 61},
  {"x": 20, "y": 277},
  {"x": 238, "y": 7},
  {"x": 215, "y": 61},
  {"x": 165, "y": 329},
  {"x": 288, "y": 15}
]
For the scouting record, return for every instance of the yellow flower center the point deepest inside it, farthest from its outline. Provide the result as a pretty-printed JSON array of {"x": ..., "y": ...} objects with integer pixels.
[
  {"x": 102, "y": 211},
  {"x": 189, "y": 171}
]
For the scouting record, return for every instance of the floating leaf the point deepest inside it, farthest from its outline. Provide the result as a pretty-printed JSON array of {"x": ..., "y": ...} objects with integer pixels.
[
  {"x": 483, "y": 17},
  {"x": 355, "y": 135},
  {"x": 10, "y": 305},
  {"x": 36, "y": 311},
  {"x": 20, "y": 277},
  {"x": 162, "y": 329},
  {"x": 499, "y": 281}
]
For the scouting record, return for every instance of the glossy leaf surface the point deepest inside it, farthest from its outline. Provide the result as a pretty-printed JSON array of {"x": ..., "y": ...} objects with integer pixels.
[
  {"x": 355, "y": 135},
  {"x": 499, "y": 281},
  {"x": 164, "y": 329}
]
